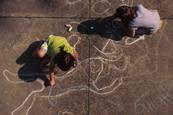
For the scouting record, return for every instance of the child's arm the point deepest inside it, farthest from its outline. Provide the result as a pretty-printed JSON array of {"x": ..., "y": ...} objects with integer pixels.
[
  {"x": 68, "y": 48},
  {"x": 129, "y": 31},
  {"x": 75, "y": 54},
  {"x": 52, "y": 75}
]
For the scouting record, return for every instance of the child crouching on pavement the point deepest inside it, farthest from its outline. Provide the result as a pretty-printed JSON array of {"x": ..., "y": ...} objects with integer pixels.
[
  {"x": 138, "y": 20},
  {"x": 60, "y": 54}
]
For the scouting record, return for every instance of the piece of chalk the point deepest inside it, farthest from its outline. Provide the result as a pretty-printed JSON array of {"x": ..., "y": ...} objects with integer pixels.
[{"x": 69, "y": 27}]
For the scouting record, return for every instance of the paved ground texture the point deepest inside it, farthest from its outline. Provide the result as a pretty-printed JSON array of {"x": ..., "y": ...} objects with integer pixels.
[{"x": 112, "y": 77}]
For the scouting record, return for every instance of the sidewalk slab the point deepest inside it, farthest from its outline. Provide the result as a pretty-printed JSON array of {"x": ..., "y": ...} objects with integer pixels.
[{"x": 44, "y": 8}]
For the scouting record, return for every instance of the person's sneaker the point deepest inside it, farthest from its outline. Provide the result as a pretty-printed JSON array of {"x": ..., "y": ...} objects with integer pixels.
[
  {"x": 51, "y": 35},
  {"x": 44, "y": 46}
]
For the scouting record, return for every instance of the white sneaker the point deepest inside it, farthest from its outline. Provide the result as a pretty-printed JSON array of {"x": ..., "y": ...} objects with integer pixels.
[
  {"x": 51, "y": 35},
  {"x": 44, "y": 46}
]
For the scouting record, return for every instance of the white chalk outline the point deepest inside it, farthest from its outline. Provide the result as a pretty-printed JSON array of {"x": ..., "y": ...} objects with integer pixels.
[
  {"x": 65, "y": 112},
  {"x": 105, "y": 10},
  {"x": 133, "y": 42},
  {"x": 72, "y": 2},
  {"x": 26, "y": 99}
]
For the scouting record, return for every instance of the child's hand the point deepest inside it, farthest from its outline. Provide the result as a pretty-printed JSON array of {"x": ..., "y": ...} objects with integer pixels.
[
  {"x": 52, "y": 82},
  {"x": 52, "y": 79}
]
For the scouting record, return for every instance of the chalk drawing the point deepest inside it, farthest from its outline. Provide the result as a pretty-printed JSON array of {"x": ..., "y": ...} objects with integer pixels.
[
  {"x": 146, "y": 56},
  {"x": 72, "y": 2},
  {"x": 151, "y": 101},
  {"x": 116, "y": 83},
  {"x": 109, "y": 6},
  {"x": 65, "y": 113},
  {"x": 141, "y": 106},
  {"x": 29, "y": 96},
  {"x": 126, "y": 2},
  {"x": 103, "y": 60},
  {"x": 29, "y": 108},
  {"x": 6, "y": 72},
  {"x": 133, "y": 42},
  {"x": 93, "y": 7}
]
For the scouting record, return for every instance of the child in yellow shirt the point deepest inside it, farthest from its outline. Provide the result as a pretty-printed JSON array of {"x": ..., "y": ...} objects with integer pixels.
[{"x": 59, "y": 52}]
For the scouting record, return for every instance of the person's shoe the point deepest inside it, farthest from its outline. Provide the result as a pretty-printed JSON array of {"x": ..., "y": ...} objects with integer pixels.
[{"x": 44, "y": 46}]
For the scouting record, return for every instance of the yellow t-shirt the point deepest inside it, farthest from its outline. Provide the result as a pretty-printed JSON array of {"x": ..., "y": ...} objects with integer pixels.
[{"x": 55, "y": 43}]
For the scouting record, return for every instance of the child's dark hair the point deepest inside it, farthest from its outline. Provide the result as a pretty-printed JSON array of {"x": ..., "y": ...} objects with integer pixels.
[
  {"x": 64, "y": 60},
  {"x": 126, "y": 13}
]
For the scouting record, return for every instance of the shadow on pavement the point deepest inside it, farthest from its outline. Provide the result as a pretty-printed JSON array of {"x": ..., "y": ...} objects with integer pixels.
[
  {"x": 105, "y": 27},
  {"x": 32, "y": 68}
]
